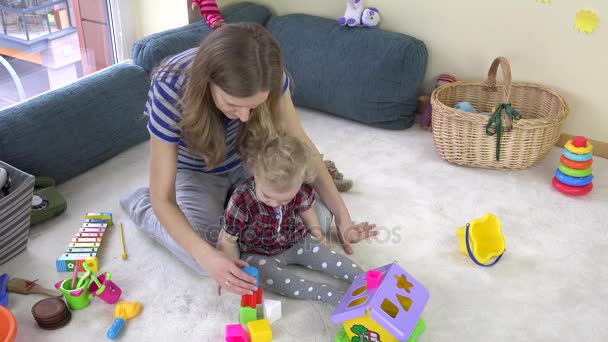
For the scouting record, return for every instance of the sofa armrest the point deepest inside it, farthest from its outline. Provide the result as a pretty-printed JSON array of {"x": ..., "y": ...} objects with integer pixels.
[{"x": 66, "y": 131}]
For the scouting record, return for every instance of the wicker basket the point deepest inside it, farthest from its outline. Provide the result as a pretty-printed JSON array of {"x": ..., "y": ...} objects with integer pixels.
[{"x": 477, "y": 140}]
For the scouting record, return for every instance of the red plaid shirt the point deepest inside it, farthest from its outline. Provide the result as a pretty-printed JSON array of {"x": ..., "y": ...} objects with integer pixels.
[{"x": 257, "y": 225}]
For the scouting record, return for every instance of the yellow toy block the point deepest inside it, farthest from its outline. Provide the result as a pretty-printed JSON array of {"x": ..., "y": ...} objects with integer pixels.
[{"x": 260, "y": 331}]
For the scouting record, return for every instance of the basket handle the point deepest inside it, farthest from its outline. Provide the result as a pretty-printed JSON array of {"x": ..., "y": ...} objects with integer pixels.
[
  {"x": 505, "y": 67},
  {"x": 495, "y": 124}
]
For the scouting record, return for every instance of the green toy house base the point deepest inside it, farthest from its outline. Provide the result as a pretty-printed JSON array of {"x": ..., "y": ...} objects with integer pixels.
[{"x": 420, "y": 327}]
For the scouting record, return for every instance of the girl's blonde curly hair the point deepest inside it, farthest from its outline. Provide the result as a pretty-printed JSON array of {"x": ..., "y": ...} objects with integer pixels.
[{"x": 282, "y": 161}]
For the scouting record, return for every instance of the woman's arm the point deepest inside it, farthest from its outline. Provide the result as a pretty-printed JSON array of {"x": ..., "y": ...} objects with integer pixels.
[
  {"x": 323, "y": 184},
  {"x": 228, "y": 244},
  {"x": 163, "y": 170}
]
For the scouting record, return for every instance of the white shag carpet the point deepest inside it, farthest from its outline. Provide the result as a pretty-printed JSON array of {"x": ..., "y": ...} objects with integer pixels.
[{"x": 549, "y": 286}]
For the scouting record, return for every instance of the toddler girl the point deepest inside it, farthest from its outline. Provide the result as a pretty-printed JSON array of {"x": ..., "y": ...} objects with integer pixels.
[{"x": 271, "y": 220}]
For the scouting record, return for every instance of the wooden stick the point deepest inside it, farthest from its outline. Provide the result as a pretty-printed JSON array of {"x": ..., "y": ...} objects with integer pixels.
[{"x": 122, "y": 243}]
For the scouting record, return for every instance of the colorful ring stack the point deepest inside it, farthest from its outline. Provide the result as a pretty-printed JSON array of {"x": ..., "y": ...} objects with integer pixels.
[{"x": 573, "y": 175}]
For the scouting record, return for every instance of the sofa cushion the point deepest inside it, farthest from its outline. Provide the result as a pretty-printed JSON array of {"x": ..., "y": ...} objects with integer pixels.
[
  {"x": 64, "y": 132},
  {"x": 151, "y": 50},
  {"x": 368, "y": 75}
]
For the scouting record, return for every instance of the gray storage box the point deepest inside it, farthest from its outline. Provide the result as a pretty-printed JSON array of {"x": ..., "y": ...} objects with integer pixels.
[{"x": 15, "y": 212}]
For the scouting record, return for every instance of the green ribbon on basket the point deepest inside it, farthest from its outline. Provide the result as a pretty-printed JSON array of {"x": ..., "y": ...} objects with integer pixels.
[{"x": 495, "y": 124}]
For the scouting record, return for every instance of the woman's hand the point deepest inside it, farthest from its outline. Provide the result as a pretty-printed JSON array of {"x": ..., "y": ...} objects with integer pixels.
[
  {"x": 227, "y": 273},
  {"x": 349, "y": 232}
]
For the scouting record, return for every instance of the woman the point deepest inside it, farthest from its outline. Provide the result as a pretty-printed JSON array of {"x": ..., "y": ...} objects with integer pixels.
[{"x": 204, "y": 105}]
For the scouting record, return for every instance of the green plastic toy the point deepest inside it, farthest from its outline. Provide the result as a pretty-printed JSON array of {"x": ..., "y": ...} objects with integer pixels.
[{"x": 47, "y": 202}]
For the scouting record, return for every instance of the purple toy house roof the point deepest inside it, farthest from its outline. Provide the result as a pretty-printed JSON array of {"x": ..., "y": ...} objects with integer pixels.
[{"x": 396, "y": 304}]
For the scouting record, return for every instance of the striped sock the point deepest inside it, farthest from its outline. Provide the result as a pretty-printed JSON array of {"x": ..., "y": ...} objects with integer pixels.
[{"x": 210, "y": 12}]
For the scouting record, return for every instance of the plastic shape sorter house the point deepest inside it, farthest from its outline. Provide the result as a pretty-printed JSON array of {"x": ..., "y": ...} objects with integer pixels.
[{"x": 388, "y": 312}]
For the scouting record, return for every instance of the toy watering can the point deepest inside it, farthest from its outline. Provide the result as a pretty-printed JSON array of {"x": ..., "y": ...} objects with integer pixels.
[
  {"x": 482, "y": 240},
  {"x": 79, "y": 296},
  {"x": 103, "y": 287}
]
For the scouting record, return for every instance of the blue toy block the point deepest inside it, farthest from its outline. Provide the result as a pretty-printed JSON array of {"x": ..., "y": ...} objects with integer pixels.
[{"x": 252, "y": 271}]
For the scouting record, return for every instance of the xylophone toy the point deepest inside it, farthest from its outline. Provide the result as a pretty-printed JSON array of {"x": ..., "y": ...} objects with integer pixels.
[{"x": 85, "y": 244}]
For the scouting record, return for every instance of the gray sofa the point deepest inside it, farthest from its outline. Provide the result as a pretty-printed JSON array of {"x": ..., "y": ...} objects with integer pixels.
[{"x": 366, "y": 75}]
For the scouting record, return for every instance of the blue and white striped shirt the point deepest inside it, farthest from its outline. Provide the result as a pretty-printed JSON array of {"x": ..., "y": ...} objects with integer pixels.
[{"x": 164, "y": 110}]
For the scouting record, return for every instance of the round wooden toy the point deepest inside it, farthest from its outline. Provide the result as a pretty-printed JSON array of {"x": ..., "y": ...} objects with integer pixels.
[{"x": 51, "y": 313}]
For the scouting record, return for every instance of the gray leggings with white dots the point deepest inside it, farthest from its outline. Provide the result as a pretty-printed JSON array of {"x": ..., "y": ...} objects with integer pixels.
[{"x": 308, "y": 253}]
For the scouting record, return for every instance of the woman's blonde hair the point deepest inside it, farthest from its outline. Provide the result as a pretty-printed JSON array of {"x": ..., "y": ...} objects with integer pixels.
[
  {"x": 242, "y": 59},
  {"x": 282, "y": 161}
]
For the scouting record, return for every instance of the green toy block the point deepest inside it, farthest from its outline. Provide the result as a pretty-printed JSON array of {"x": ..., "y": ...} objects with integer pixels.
[
  {"x": 418, "y": 330},
  {"x": 341, "y": 336},
  {"x": 247, "y": 315}
]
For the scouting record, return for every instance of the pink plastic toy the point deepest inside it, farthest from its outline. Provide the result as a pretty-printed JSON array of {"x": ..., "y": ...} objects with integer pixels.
[
  {"x": 236, "y": 333},
  {"x": 373, "y": 278},
  {"x": 104, "y": 288}
]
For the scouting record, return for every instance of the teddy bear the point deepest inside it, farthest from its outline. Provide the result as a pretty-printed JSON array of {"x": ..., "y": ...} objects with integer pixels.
[
  {"x": 357, "y": 15},
  {"x": 210, "y": 12},
  {"x": 343, "y": 185}
]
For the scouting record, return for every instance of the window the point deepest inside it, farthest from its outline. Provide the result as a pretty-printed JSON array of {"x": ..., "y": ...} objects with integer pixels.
[{"x": 46, "y": 44}]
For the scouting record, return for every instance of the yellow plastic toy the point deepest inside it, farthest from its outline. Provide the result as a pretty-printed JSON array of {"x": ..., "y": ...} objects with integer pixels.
[
  {"x": 123, "y": 311},
  {"x": 578, "y": 150},
  {"x": 260, "y": 331},
  {"x": 482, "y": 240}
]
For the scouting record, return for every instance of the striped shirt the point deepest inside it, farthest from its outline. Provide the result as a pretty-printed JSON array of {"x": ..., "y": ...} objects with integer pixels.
[{"x": 164, "y": 110}]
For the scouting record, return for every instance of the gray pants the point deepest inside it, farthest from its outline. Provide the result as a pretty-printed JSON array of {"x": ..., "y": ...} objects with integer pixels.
[
  {"x": 313, "y": 255},
  {"x": 201, "y": 198}
]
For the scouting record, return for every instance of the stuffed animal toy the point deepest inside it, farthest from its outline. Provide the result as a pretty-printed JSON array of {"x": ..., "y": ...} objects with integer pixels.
[
  {"x": 352, "y": 15},
  {"x": 210, "y": 12},
  {"x": 343, "y": 185},
  {"x": 356, "y": 15},
  {"x": 370, "y": 17},
  {"x": 465, "y": 107},
  {"x": 427, "y": 110}
]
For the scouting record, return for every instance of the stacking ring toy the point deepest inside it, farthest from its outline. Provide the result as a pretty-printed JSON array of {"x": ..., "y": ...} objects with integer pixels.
[
  {"x": 571, "y": 190},
  {"x": 572, "y": 181},
  {"x": 574, "y": 172},
  {"x": 579, "y": 150},
  {"x": 574, "y": 164},
  {"x": 577, "y": 157}
]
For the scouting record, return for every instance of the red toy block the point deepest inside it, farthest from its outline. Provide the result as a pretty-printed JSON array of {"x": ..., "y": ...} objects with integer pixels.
[
  {"x": 258, "y": 295},
  {"x": 236, "y": 333},
  {"x": 249, "y": 300},
  {"x": 253, "y": 299}
]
